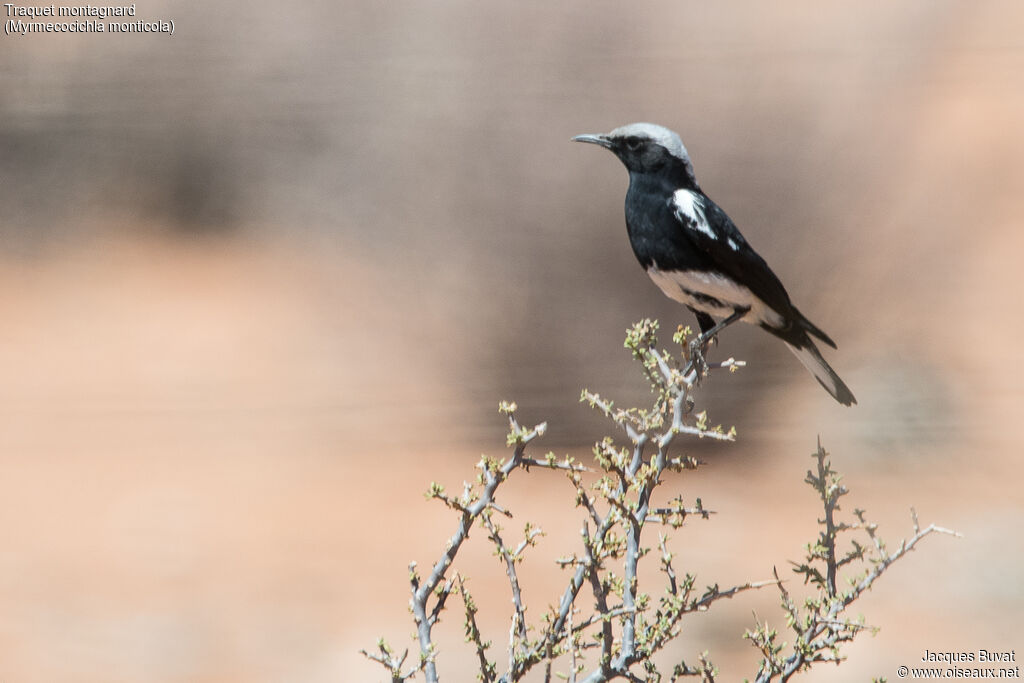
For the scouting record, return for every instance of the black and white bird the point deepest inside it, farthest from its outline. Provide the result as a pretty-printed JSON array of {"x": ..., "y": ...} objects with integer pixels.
[{"x": 695, "y": 254}]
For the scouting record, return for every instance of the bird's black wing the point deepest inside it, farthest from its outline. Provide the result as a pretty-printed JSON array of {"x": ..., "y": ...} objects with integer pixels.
[{"x": 710, "y": 231}]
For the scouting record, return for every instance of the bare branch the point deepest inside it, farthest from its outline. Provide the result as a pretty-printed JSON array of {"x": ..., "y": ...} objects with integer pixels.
[
  {"x": 510, "y": 558},
  {"x": 619, "y": 632},
  {"x": 819, "y": 625},
  {"x": 488, "y": 670}
]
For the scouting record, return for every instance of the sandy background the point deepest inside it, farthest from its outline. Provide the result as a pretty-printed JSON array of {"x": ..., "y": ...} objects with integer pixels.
[{"x": 263, "y": 280}]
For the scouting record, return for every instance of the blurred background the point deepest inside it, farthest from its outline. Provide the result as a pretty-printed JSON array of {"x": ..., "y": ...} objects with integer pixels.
[{"x": 263, "y": 280}]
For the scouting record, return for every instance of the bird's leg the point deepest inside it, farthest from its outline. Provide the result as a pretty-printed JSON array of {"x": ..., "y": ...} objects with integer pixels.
[
  {"x": 707, "y": 335},
  {"x": 705, "y": 321},
  {"x": 699, "y": 345},
  {"x": 697, "y": 359}
]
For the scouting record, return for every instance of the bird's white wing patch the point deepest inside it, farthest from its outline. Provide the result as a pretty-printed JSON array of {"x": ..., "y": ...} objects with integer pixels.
[{"x": 689, "y": 208}]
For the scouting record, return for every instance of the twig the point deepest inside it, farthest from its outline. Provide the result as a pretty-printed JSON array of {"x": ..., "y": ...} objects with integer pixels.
[
  {"x": 818, "y": 627},
  {"x": 626, "y": 626},
  {"x": 421, "y": 591}
]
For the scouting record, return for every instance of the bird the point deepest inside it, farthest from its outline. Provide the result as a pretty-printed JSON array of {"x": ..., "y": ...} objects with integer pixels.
[{"x": 696, "y": 255}]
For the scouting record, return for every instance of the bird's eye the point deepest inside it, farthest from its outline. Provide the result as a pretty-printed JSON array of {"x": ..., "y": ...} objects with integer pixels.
[{"x": 633, "y": 143}]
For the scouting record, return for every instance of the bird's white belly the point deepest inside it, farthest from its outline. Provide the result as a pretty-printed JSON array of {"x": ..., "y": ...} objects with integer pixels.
[{"x": 712, "y": 294}]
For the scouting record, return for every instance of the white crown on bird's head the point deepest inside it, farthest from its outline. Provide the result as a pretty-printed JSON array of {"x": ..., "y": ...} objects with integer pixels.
[{"x": 668, "y": 139}]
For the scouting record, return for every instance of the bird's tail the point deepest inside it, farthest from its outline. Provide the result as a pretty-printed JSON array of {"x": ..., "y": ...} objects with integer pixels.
[
  {"x": 808, "y": 326},
  {"x": 807, "y": 353}
]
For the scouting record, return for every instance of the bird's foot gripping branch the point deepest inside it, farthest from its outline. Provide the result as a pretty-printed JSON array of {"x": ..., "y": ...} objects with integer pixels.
[{"x": 611, "y": 620}]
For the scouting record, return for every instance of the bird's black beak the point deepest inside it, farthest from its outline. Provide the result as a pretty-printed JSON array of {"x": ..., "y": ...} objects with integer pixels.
[{"x": 594, "y": 140}]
